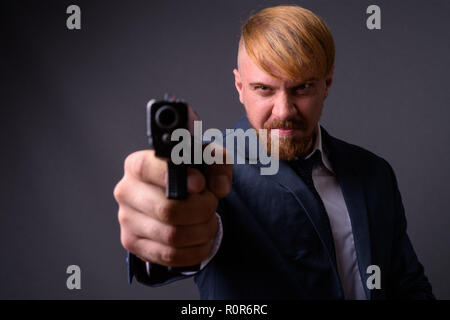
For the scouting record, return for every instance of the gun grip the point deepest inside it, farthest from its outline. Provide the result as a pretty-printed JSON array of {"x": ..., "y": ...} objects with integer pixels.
[{"x": 176, "y": 187}]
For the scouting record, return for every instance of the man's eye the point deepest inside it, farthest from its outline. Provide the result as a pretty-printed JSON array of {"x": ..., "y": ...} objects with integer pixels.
[
  {"x": 303, "y": 87},
  {"x": 262, "y": 88}
]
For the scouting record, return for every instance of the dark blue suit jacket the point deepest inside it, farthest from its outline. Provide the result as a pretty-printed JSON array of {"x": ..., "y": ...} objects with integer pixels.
[{"x": 276, "y": 246}]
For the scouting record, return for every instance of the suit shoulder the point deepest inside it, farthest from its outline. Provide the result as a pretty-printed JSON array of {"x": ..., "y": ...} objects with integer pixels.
[{"x": 362, "y": 157}]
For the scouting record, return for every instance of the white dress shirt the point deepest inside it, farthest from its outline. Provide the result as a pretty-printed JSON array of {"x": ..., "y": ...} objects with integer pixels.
[{"x": 329, "y": 190}]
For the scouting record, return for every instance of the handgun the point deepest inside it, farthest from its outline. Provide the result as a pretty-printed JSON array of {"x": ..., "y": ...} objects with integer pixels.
[{"x": 163, "y": 118}]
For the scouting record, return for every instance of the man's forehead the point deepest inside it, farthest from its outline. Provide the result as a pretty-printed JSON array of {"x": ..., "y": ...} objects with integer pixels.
[{"x": 253, "y": 73}]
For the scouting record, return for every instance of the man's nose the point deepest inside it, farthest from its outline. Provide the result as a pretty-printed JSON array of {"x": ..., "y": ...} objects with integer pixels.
[{"x": 283, "y": 107}]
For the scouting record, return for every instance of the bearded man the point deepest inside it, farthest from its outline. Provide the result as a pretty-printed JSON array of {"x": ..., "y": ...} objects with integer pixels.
[{"x": 318, "y": 229}]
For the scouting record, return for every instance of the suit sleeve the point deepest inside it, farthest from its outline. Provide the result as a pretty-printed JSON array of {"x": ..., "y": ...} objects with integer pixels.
[
  {"x": 159, "y": 275},
  {"x": 152, "y": 274},
  {"x": 407, "y": 280}
]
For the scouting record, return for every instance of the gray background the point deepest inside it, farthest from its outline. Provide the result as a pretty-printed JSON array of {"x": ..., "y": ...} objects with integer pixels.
[{"x": 72, "y": 108}]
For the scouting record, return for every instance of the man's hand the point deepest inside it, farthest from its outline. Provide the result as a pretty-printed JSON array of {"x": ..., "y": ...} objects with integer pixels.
[{"x": 175, "y": 233}]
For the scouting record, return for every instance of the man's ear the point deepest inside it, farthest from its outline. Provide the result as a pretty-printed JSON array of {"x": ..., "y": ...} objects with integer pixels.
[
  {"x": 329, "y": 81},
  {"x": 238, "y": 84}
]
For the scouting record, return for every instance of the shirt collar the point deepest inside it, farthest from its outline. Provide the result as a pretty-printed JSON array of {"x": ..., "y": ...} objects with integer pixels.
[{"x": 318, "y": 145}]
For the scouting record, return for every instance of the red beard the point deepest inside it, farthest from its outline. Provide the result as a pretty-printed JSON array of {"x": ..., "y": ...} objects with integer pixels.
[{"x": 290, "y": 146}]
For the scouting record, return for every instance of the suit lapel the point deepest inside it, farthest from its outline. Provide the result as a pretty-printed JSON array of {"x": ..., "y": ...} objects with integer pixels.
[
  {"x": 289, "y": 179},
  {"x": 352, "y": 189}
]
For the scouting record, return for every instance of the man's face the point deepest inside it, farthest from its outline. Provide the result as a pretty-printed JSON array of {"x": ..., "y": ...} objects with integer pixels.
[{"x": 290, "y": 109}]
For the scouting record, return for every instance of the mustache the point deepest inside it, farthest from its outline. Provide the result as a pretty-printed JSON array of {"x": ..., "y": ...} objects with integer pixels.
[{"x": 285, "y": 124}]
